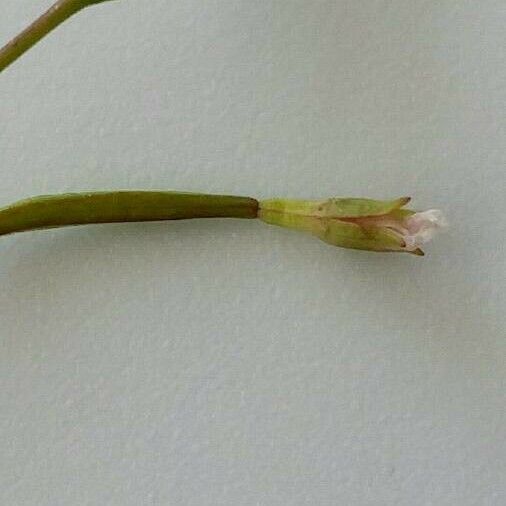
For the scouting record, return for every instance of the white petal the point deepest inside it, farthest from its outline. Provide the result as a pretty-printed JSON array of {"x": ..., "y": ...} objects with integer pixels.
[{"x": 422, "y": 227}]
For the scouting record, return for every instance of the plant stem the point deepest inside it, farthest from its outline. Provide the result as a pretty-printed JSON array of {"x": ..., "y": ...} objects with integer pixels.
[
  {"x": 54, "y": 16},
  {"x": 120, "y": 206}
]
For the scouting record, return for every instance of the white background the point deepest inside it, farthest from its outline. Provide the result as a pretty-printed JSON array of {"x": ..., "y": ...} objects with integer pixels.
[{"x": 229, "y": 362}]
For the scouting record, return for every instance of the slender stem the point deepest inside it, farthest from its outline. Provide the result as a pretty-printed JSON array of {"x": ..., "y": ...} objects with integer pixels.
[
  {"x": 54, "y": 16},
  {"x": 120, "y": 206}
]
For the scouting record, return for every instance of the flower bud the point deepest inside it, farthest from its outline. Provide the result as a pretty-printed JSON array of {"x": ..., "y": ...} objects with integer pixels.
[{"x": 356, "y": 223}]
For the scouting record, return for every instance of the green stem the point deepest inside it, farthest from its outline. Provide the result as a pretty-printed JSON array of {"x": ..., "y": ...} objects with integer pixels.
[
  {"x": 57, "y": 14},
  {"x": 120, "y": 206}
]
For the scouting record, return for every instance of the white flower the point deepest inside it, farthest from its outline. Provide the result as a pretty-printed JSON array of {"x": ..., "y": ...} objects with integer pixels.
[
  {"x": 357, "y": 223},
  {"x": 422, "y": 227}
]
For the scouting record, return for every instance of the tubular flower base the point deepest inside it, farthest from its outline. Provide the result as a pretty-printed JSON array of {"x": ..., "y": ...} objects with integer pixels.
[{"x": 366, "y": 224}]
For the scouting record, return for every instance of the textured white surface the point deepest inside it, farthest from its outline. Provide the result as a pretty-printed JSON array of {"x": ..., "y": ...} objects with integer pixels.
[{"x": 224, "y": 362}]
